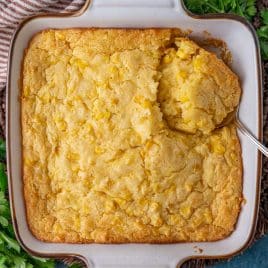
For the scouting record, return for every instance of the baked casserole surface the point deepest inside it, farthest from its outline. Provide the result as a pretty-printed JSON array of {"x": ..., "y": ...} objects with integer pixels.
[{"x": 120, "y": 141}]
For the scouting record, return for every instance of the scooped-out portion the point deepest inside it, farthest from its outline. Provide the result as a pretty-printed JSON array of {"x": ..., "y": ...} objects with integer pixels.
[{"x": 196, "y": 90}]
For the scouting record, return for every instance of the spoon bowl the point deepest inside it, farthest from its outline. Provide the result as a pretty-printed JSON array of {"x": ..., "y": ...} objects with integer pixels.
[{"x": 234, "y": 117}]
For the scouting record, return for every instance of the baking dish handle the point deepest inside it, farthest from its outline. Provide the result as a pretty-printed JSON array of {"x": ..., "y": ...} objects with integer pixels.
[
  {"x": 141, "y": 261},
  {"x": 137, "y": 3},
  {"x": 115, "y": 5}
]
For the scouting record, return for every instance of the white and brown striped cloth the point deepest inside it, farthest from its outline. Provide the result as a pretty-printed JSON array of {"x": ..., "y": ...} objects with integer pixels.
[{"x": 12, "y": 12}]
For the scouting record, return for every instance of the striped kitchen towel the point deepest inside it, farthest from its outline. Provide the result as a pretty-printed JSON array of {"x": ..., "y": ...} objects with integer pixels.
[{"x": 12, "y": 12}]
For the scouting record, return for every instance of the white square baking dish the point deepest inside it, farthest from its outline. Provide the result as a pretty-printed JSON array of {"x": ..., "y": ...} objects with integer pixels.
[{"x": 242, "y": 42}]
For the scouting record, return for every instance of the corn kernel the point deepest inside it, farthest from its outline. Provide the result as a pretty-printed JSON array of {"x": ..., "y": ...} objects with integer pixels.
[
  {"x": 181, "y": 75},
  {"x": 126, "y": 195},
  {"x": 146, "y": 104},
  {"x": 156, "y": 220},
  {"x": 186, "y": 211},
  {"x": 77, "y": 98},
  {"x": 174, "y": 219},
  {"x": 75, "y": 169},
  {"x": 74, "y": 132},
  {"x": 149, "y": 144},
  {"x": 167, "y": 59},
  {"x": 129, "y": 211},
  {"x": 156, "y": 187},
  {"x": 77, "y": 223},
  {"x": 233, "y": 156},
  {"x": 78, "y": 63},
  {"x": 72, "y": 156},
  {"x": 45, "y": 97},
  {"x": 201, "y": 123},
  {"x": 89, "y": 128},
  {"x": 99, "y": 150},
  {"x": 57, "y": 227},
  {"x": 188, "y": 186},
  {"x": 181, "y": 54},
  {"x": 109, "y": 206},
  {"x": 120, "y": 201},
  {"x": 28, "y": 161},
  {"x": 59, "y": 35},
  {"x": 164, "y": 230},
  {"x": 115, "y": 58},
  {"x": 143, "y": 202},
  {"x": 217, "y": 147},
  {"x": 113, "y": 69},
  {"x": 103, "y": 115},
  {"x": 170, "y": 190},
  {"x": 197, "y": 221},
  {"x": 85, "y": 209},
  {"x": 26, "y": 91},
  {"x": 155, "y": 206},
  {"x": 184, "y": 98},
  {"x": 208, "y": 217},
  {"x": 70, "y": 90},
  {"x": 197, "y": 63},
  {"x": 130, "y": 160},
  {"x": 102, "y": 84},
  {"x": 62, "y": 125}
]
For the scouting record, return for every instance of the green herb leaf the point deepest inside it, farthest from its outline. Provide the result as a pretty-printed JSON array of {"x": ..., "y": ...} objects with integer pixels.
[
  {"x": 2, "y": 150},
  {"x": 3, "y": 178},
  {"x": 3, "y": 221},
  {"x": 10, "y": 242},
  {"x": 263, "y": 32},
  {"x": 40, "y": 259},
  {"x": 19, "y": 262},
  {"x": 264, "y": 49},
  {"x": 42, "y": 264},
  {"x": 264, "y": 16}
]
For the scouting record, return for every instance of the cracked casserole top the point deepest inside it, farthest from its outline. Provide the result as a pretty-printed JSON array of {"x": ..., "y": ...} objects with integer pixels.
[{"x": 120, "y": 141}]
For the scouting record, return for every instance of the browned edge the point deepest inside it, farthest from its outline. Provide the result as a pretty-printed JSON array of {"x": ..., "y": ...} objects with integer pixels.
[{"x": 260, "y": 130}]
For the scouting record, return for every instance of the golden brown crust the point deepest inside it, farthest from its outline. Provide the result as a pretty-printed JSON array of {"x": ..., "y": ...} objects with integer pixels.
[{"x": 99, "y": 162}]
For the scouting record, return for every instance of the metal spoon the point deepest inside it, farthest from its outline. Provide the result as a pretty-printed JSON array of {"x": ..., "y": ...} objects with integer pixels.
[{"x": 234, "y": 117}]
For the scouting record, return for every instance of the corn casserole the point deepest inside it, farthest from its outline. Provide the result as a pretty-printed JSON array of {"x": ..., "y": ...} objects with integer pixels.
[{"x": 120, "y": 138}]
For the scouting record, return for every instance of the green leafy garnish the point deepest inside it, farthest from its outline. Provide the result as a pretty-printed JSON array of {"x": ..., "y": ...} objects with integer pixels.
[
  {"x": 263, "y": 34},
  {"x": 245, "y": 8},
  {"x": 2, "y": 150},
  {"x": 11, "y": 254},
  {"x": 264, "y": 15},
  {"x": 3, "y": 180},
  {"x": 11, "y": 243}
]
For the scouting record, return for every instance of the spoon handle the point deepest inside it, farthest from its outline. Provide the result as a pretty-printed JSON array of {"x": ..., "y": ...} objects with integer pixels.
[{"x": 246, "y": 132}]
